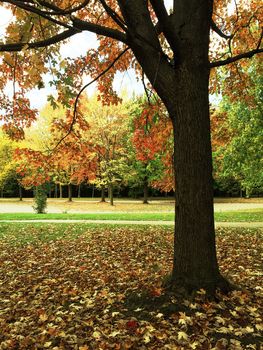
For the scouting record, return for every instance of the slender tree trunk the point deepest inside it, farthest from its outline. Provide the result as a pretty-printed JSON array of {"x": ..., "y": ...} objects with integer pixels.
[
  {"x": 2, "y": 192},
  {"x": 93, "y": 191},
  {"x": 49, "y": 190},
  {"x": 111, "y": 194},
  {"x": 56, "y": 191},
  {"x": 20, "y": 192},
  {"x": 79, "y": 190},
  {"x": 103, "y": 199},
  {"x": 60, "y": 191},
  {"x": 70, "y": 192},
  {"x": 145, "y": 191}
]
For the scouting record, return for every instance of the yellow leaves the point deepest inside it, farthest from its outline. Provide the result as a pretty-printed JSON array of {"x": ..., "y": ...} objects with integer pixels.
[
  {"x": 96, "y": 335},
  {"x": 68, "y": 308},
  {"x": 184, "y": 319},
  {"x": 182, "y": 336},
  {"x": 43, "y": 317}
]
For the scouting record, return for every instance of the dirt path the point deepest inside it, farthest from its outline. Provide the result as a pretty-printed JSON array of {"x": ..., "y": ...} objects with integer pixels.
[{"x": 94, "y": 206}]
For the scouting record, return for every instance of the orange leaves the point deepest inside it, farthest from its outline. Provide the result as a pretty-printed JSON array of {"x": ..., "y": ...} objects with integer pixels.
[{"x": 48, "y": 295}]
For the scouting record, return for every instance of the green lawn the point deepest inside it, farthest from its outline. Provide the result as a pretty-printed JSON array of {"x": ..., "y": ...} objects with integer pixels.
[{"x": 254, "y": 215}]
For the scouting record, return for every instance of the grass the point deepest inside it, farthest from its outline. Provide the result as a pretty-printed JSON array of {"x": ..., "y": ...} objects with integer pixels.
[{"x": 253, "y": 215}]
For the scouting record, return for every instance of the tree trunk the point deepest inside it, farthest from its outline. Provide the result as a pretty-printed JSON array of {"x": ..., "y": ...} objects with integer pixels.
[
  {"x": 2, "y": 192},
  {"x": 103, "y": 199},
  {"x": 20, "y": 192},
  {"x": 79, "y": 192},
  {"x": 70, "y": 192},
  {"x": 145, "y": 191},
  {"x": 183, "y": 87},
  {"x": 195, "y": 263},
  {"x": 111, "y": 194},
  {"x": 60, "y": 191},
  {"x": 56, "y": 191}
]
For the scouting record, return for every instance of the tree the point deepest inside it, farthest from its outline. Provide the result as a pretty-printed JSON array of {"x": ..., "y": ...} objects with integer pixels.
[
  {"x": 108, "y": 132},
  {"x": 153, "y": 143},
  {"x": 172, "y": 50},
  {"x": 8, "y": 165},
  {"x": 239, "y": 127}
]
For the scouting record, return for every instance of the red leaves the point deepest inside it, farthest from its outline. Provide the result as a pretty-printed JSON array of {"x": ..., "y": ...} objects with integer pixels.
[{"x": 132, "y": 325}]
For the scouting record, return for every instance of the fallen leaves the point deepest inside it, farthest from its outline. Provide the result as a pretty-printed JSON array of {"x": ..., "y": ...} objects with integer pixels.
[{"x": 102, "y": 290}]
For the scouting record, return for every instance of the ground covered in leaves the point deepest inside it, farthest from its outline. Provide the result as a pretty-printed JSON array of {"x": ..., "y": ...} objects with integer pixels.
[{"x": 85, "y": 288}]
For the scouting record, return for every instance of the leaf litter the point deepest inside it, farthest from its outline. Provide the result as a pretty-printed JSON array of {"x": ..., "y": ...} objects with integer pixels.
[{"x": 102, "y": 289}]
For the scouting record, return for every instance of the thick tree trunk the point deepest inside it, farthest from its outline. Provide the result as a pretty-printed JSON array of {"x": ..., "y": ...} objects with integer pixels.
[
  {"x": 195, "y": 262},
  {"x": 182, "y": 84},
  {"x": 70, "y": 192}
]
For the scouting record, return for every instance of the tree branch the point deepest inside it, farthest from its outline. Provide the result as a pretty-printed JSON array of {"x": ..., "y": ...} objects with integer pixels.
[
  {"x": 116, "y": 18},
  {"x": 82, "y": 89},
  {"x": 33, "y": 9},
  {"x": 164, "y": 23},
  {"x": 98, "y": 29},
  {"x": 43, "y": 43},
  {"x": 219, "y": 32},
  {"x": 248, "y": 54}
]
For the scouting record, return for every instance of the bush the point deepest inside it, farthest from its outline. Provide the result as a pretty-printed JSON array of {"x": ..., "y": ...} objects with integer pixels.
[{"x": 40, "y": 199}]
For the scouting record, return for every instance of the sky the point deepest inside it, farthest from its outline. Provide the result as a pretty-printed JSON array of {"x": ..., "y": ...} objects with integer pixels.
[{"x": 77, "y": 45}]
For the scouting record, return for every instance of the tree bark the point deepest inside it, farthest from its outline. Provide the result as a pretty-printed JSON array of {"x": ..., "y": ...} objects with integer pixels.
[
  {"x": 20, "y": 192},
  {"x": 70, "y": 192},
  {"x": 79, "y": 190},
  {"x": 103, "y": 200},
  {"x": 183, "y": 87},
  {"x": 111, "y": 194},
  {"x": 145, "y": 191},
  {"x": 60, "y": 191}
]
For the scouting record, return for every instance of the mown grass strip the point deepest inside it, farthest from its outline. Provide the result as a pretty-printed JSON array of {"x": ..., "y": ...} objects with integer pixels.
[{"x": 255, "y": 215}]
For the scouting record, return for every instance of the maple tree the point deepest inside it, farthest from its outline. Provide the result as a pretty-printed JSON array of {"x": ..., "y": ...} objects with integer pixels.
[
  {"x": 172, "y": 50},
  {"x": 108, "y": 133},
  {"x": 153, "y": 143}
]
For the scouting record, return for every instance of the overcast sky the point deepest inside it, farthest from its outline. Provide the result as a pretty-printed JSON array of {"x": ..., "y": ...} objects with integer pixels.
[{"x": 77, "y": 45}]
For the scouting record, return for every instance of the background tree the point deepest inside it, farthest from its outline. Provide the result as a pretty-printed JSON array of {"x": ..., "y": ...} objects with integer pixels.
[
  {"x": 7, "y": 164},
  {"x": 173, "y": 52},
  {"x": 238, "y": 136},
  {"x": 109, "y": 133}
]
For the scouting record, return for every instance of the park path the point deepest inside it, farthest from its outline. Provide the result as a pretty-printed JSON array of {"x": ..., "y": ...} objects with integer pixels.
[{"x": 133, "y": 222}]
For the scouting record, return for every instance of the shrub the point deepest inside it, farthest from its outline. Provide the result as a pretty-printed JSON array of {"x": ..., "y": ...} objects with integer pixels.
[{"x": 40, "y": 199}]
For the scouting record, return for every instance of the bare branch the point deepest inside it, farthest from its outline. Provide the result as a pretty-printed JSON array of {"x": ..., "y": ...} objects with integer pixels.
[
  {"x": 33, "y": 9},
  {"x": 219, "y": 32},
  {"x": 117, "y": 19},
  {"x": 42, "y": 43},
  {"x": 80, "y": 92},
  {"x": 248, "y": 54},
  {"x": 98, "y": 29}
]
